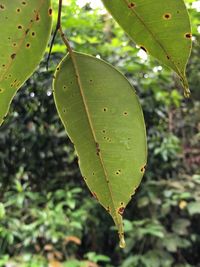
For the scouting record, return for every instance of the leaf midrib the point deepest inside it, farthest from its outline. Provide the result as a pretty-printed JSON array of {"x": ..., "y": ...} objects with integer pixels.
[{"x": 78, "y": 78}]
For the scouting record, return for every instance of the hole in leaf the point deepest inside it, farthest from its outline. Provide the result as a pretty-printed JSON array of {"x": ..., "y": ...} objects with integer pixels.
[
  {"x": 188, "y": 35},
  {"x": 50, "y": 11},
  {"x": 121, "y": 210},
  {"x": 131, "y": 5},
  {"x": 143, "y": 48},
  {"x": 167, "y": 16}
]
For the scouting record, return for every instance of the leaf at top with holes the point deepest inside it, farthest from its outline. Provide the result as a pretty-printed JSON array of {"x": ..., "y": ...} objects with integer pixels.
[
  {"x": 25, "y": 30},
  {"x": 160, "y": 28},
  {"x": 103, "y": 117}
]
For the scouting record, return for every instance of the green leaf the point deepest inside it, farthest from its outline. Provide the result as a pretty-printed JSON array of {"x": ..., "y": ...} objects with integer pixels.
[
  {"x": 25, "y": 30},
  {"x": 194, "y": 208},
  {"x": 161, "y": 28},
  {"x": 104, "y": 120}
]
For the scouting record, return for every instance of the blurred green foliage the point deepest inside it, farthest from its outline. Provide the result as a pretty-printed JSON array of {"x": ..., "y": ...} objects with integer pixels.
[{"x": 47, "y": 217}]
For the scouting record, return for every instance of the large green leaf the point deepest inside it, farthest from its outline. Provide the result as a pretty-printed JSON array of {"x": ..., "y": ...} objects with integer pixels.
[
  {"x": 25, "y": 30},
  {"x": 160, "y": 27},
  {"x": 104, "y": 120}
]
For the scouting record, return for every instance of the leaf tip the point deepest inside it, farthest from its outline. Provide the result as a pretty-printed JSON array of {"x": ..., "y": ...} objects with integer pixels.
[
  {"x": 122, "y": 243},
  {"x": 187, "y": 92}
]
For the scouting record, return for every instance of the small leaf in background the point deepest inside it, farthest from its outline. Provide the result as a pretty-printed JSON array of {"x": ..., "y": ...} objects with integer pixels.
[
  {"x": 2, "y": 211},
  {"x": 22, "y": 44},
  {"x": 103, "y": 118},
  {"x": 160, "y": 28},
  {"x": 194, "y": 208}
]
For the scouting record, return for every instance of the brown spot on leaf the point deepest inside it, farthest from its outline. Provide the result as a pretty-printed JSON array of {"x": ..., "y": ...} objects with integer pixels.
[
  {"x": 2, "y": 7},
  {"x": 167, "y": 16},
  {"x": 188, "y": 35},
  {"x": 131, "y": 5},
  {"x": 118, "y": 172},
  {"x": 143, "y": 169},
  {"x": 37, "y": 17},
  {"x": 98, "y": 149},
  {"x": 121, "y": 210},
  {"x": 13, "y": 56},
  {"x": 50, "y": 11}
]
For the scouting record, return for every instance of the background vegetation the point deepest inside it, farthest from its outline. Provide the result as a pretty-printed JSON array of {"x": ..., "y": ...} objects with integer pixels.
[{"x": 47, "y": 215}]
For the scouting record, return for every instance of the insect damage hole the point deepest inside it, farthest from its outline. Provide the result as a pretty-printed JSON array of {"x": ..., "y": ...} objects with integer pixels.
[
  {"x": 105, "y": 109},
  {"x": 121, "y": 209},
  {"x": 142, "y": 170},
  {"x": 167, "y": 16},
  {"x": 19, "y": 27},
  {"x": 131, "y": 5},
  {"x": 143, "y": 48},
  {"x": 50, "y": 11},
  {"x": 64, "y": 88},
  {"x": 118, "y": 172},
  {"x": 2, "y": 7},
  {"x": 37, "y": 16},
  {"x": 13, "y": 56},
  {"x": 188, "y": 35},
  {"x": 1, "y": 90}
]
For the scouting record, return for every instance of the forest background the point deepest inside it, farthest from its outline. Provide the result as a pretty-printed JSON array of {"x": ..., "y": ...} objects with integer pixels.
[{"x": 47, "y": 215}]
